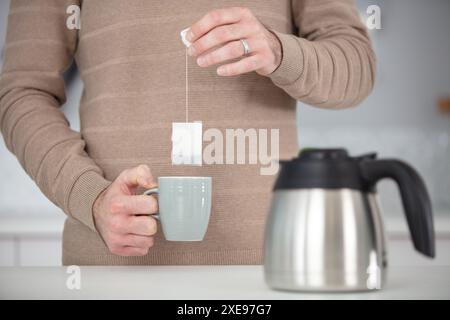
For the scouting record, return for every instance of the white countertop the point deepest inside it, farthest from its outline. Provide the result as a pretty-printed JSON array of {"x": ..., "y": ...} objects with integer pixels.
[{"x": 200, "y": 282}]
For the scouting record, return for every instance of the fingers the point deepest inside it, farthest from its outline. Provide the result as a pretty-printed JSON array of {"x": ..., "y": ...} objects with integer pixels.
[
  {"x": 213, "y": 19},
  {"x": 132, "y": 245},
  {"x": 221, "y": 31},
  {"x": 141, "y": 225},
  {"x": 124, "y": 222},
  {"x": 138, "y": 176},
  {"x": 249, "y": 64},
  {"x": 131, "y": 252},
  {"x": 228, "y": 52},
  {"x": 136, "y": 241},
  {"x": 218, "y": 36},
  {"x": 132, "y": 205}
]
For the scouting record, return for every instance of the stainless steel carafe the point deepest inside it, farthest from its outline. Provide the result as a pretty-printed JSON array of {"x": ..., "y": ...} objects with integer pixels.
[{"x": 325, "y": 232}]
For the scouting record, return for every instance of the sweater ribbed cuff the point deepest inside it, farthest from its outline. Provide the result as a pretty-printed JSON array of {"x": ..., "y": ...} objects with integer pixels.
[
  {"x": 83, "y": 195},
  {"x": 292, "y": 62}
]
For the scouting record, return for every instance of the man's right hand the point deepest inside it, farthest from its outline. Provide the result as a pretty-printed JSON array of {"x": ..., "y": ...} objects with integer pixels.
[{"x": 123, "y": 218}]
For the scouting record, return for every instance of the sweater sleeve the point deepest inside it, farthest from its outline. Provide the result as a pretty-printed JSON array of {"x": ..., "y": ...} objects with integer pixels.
[
  {"x": 329, "y": 63},
  {"x": 39, "y": 48}
]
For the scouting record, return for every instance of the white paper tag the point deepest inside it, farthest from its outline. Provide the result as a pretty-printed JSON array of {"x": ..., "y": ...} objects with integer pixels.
[
  {"x": 187, "y": 138},
  {"x": 183, "y": 38}
]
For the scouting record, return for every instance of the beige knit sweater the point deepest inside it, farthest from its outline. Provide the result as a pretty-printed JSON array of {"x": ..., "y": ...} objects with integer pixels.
[{"x": 131, "y": 61}]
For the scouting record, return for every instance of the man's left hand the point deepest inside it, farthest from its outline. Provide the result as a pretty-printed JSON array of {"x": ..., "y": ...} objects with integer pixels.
[{"x": 222, "y": 30}]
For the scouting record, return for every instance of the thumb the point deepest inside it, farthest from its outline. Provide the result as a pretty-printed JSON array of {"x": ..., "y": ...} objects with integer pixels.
[{"x": 139, "y": 176}]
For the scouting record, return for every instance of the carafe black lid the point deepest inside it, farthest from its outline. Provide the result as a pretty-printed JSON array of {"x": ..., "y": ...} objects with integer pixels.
[
  {"x": 323, "y": 169},
  {"x": 322, "y": 154}
]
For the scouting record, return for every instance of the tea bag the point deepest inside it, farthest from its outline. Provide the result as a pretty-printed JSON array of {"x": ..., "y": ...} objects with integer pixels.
[{"x": 187, "y": 138}]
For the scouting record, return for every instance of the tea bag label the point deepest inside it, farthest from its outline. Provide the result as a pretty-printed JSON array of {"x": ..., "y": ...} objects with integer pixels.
[
  {"x": 183, "y": 38},
  {"x": 187, "y": 140}
]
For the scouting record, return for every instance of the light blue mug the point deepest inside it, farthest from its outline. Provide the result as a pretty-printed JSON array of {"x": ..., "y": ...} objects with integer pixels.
[{"x": 184, "y": 207}]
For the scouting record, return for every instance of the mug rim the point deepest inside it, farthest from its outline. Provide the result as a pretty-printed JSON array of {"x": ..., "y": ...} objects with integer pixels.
[{"x": 183, "y": 177}]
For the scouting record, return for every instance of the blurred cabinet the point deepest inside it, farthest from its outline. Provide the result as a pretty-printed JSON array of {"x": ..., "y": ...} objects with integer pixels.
[
  {"x": 30, "y": 251},
  {"x": 39, "y": 252},
  {"x": 402, "y": 253},
  {"x": 37, "y": 242},
  {"x": 29, "y": 241},
  {"x": 46, "y": 251},
  {"x": 7, "y": 256}
]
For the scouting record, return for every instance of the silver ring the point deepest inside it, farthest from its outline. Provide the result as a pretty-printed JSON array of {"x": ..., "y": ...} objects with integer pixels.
[{"x": 246, "y": 47}]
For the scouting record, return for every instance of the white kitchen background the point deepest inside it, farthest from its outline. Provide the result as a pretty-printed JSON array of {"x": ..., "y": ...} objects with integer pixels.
[{"x": 401, "y": 119}]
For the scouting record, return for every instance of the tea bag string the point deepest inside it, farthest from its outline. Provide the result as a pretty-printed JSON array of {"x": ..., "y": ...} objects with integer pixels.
[{"x": 187, "y": 88}]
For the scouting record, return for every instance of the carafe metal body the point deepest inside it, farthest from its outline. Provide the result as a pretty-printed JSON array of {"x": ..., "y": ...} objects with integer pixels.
[{"x": 325, "y": 240}]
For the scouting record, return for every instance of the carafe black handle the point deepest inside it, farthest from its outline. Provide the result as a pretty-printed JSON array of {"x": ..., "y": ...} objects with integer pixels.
[{"x": 415, "y": 198}]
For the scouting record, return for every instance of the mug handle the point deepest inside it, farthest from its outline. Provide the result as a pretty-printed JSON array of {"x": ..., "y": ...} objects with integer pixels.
[{"x": 149, "y": 192}]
